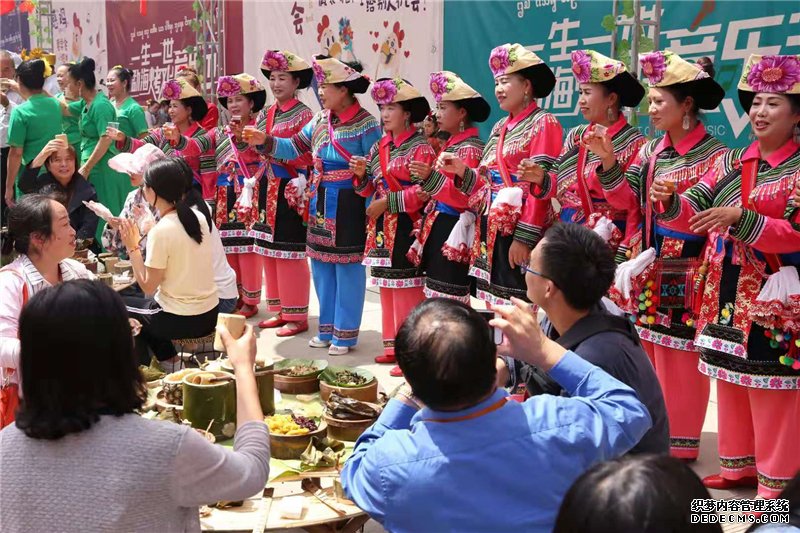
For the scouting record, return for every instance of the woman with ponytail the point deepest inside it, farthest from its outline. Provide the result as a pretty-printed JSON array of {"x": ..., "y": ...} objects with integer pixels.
[
  {"x": 179, "y": 267},
  {"x": 31, "y": 126}
]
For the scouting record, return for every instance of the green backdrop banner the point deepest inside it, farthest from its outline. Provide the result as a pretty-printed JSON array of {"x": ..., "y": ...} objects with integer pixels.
[{"x": 727, "y": 31}]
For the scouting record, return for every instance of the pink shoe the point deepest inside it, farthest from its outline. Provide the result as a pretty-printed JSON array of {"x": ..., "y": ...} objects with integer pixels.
[{"x": 292, "y": 328}]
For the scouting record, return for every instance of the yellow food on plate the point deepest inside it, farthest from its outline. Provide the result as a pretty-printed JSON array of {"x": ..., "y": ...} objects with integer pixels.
[{"x": 284, "y": 425}]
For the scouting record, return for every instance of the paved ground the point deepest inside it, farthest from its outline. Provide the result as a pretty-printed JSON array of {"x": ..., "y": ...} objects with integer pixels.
[{"x": 370, "y": 344}]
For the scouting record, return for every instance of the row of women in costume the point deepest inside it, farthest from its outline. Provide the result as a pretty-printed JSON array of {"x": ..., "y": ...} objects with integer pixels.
[{"x": 707, "y": 238}]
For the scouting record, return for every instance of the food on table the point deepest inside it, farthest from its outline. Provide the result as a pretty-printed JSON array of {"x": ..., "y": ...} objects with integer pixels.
[
  {"x": 300, "y": 370},
  {"x": 290, "y": 424},
  {"x": 343, "y": 408},
  {"x": 347, "y": 378},
  {"x": 202, "y": 378},
  {"x": 152, "y": 372},
  {"x": 173, "y": 388}
]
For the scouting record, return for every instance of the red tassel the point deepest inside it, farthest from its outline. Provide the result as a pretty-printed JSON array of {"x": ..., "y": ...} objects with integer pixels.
[{"x": 143, "y": 7}]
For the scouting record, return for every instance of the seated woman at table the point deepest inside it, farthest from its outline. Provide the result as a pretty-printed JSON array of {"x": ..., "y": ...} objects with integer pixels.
[
  {"x": 135, "y": 207},
  {"x": 40, "y": 231},
  {"x": 79, "y": 445},
  {"x": 63, "y": 179},
  {"x": 179, "y": 268}
]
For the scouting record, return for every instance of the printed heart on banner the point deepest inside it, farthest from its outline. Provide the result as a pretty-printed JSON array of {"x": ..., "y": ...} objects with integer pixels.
[
  {"x": 385, "y": 23},
  {"x": 374, "y": 47},
  {"x": 407, "y": 53}
]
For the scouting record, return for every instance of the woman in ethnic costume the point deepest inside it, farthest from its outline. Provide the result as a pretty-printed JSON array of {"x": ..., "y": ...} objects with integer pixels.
[
  {"x": 395, "y": 208},
  {"x": 516, "y": 219},
  {"x": 605, "y": 88},
  {"x": 337, "y": 220},
  {"x": 657, "y": 285},
  {"x": 280, "y": 232},
  {"x": 239, "y": 172},
  {"x": 750, "y": 318},
  {"x": 449, "y": 227},
  {"x": 186, "y": 109}
]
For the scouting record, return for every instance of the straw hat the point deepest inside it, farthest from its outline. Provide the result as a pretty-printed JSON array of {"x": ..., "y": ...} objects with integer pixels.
[
  {"x": 180, "y": 89},
  {"x": 514, "y": 58},
  {"x": 331, "y": 70},
  {"x": 396, "y": 90},
  {"x": 768, "y": 74},
  {"x": 245, "y": 84}
]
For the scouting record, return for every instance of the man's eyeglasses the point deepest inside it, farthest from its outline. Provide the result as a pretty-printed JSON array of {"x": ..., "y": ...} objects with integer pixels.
[{"x": 525, "y": 269}]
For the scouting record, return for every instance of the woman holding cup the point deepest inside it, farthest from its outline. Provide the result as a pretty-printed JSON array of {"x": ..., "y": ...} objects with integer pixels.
[
  {"x": 239, "y": 169},
  {"x": 66, "y": 96},
  {"x": 748, "y": 329},
  {"x": 659, "y": 284},
  {"x": 338, "y": 136},
  {"x": 186, "y": 110},
  {"x": 395, "y": 208},
  {"x": 130, "y": 116},
  {"x": 605, "y": 88},
  {"x": 280, "y": 236}
]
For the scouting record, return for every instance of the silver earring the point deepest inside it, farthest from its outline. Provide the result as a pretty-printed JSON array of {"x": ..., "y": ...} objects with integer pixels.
[
  {"x": 407, "y": 124},
  {"x": 686, "y": 123},
  {"x": 797, "y": 133},
  {"x": 461, "y": 127},
  {"x": 525, "y": 101},
  {"x": 610, "y": 114}
]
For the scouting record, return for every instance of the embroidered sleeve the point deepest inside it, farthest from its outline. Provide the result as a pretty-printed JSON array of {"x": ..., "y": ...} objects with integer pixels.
[
  {"x": 695, "y": 199},
  {"x": 550, "y": 184},
  {"x": 291, "y": 147},
  {"x": 306, "y": 158},
  {"x": 407, "y": 201},
  {"x": 366, "y": 185},
  {"x": 766, "y": 234},
  {"x": 195, "y": 146},
  {"x": 621, "y": 187},
  {"x": 545, "y": 147}
]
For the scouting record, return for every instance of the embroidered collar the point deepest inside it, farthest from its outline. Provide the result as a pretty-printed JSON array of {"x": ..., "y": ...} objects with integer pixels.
[
  {"x": 286, "y": 106},
  {"x": 687, "y": 143},
  {"x": 191, "y": 131},
  {"x": 775, "y": 158},
  {"x": 460, "y": 136},
  {"x": 400, "y": 139},
  {"x": 348, "y": 113},
  {"x": 513, "y": 121}
]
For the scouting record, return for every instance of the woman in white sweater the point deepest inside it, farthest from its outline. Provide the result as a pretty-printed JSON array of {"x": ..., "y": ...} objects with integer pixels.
[{"x": 80, "y": 459}]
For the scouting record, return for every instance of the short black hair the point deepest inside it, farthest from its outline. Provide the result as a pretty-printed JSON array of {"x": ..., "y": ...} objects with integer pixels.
[
  {"x": 579, "y": 262},
  {"x": 447, "y": 354},
  {"x": 33, "y": 213},
  {"x": 31, "y": 74},
  {"x": 634, "y": 493},
  {"x": 84, "y": 367}
]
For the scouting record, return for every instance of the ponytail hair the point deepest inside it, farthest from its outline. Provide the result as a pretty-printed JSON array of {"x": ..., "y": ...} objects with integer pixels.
[
  {"x": 193, "y": 196},
  {"x": 168, "y": 177},
  {"x": 84, "y": 71}
]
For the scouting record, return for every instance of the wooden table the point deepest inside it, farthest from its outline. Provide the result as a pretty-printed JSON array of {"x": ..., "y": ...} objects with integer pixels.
[
  {"x": 122, "y": 286},
  {"x": 317, "y": 517}
]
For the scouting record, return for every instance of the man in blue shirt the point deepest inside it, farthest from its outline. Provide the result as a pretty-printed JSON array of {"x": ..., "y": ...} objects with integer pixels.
[{"x": 468, "y": 459}]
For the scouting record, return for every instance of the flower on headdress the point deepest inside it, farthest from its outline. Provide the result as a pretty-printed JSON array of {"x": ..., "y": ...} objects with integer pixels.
[
  {"x": 254, "y": 86},
  {"x": 582, "y": 66},
  {"x": 171, "y": 90},
  {"x": 774, "y": 74},
  {"x": 499, "y": 60},
  {"x": 274, "y": 60},
  {"x": 383, "y": 92},
  {"x": 439, "y": 85},
  {"x": 228, "y": 86},
  {"x": 319, "y": 73},
  {"x": 654, "y": 65}
]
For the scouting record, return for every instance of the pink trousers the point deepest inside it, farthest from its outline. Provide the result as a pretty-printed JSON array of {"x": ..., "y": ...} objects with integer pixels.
[
  {"x": 287, "y": 284},
  {"x": 248, "y": 276},
  {"x": 396, "y": 304},
  {"x": 758, "y": 435},
  {"x": 686, "y": 393}
]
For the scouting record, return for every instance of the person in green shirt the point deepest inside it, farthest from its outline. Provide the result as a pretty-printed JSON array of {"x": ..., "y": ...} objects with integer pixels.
[
  {"x": 31, "y": 126},
  {"x": 130, "y": 115},
  {"x": 96, "y": 111},
  {"x": 69, "y": 124}
]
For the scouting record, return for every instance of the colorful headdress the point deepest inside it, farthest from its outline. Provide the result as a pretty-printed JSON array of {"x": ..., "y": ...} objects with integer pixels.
[
  {"x": 228, "y": 86},
  {"x": 668, "y": 69},
  {"x": 180, "y": 89},
  {"x": 449, "y": 87},
  {"x": 768, "y": 74},
  {"x": 514, "y": 58},
  {"x": 396, "y": 90},
  {"x": 331, "y": 70},
  {"x": 589, "y": 66},
  {"x": 285, "y": 61}
]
